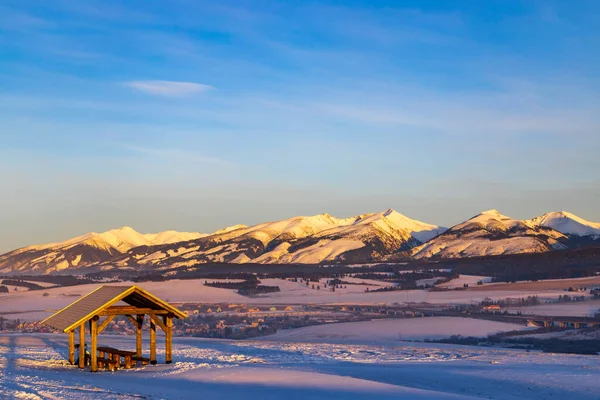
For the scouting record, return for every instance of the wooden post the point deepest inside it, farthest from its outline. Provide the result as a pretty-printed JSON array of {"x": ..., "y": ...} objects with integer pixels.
[
  {"x": 72, "y": 347},
  {"x": 94, "y": 345},
  {"x": 138, "y": 335},
  {"x": 82, "y": 346},
  {"x": 152, "y": 342},
  {"x": 169, "y": 339}
]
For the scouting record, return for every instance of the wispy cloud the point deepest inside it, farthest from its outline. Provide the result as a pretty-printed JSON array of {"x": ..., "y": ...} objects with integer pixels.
[{"x": 169, "y": 88}]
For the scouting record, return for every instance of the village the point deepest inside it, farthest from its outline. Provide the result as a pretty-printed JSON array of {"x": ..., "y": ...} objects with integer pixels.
[
  {"x": 240, "y": 321},
  {"x": 247, "y": 320}
]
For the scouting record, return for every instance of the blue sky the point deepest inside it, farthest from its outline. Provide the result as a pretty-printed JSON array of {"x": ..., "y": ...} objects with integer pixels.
[{"x": 194, "y": 115}]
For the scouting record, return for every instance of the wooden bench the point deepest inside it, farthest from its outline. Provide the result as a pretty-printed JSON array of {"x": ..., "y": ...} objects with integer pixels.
[
  {"x": 127, "y": 357},
  {"x": 143, "y": 360},
  {"x": 116, "y": 355},
  {"x": 109, "y": 362}
]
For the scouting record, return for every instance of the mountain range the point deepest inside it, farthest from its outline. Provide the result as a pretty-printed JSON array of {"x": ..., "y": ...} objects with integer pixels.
[{"x": 318, "y": 239}]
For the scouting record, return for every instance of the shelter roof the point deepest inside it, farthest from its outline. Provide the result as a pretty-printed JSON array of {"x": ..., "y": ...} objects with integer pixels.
[{"x": 100, "y": 300}]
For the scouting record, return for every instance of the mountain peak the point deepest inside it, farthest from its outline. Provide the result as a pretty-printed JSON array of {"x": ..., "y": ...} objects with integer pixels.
[
  {"x": 389, "y": 211},
  {"x": 493, "y": 211},
  {"x": 568, "y": 223},
  {"x": 563, "y": 214},
  {"x": 490, "y": 214},
  {"x": 229, "y": 229},
  {"x": 122, "y": 230}
]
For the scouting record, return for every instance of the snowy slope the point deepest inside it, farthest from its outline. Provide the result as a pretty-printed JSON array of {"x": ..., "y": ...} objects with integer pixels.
[
  {"x": 389, "y": 330},
  {"x": 303, "y": 240},
  {"x": 491, "y": 233},
  {"x": 238, "y": 244},
  {"x": 35, "y": 367},
  {"x": 568, "y": 223},
  {"x": 84, "y": 250},
  {"x": 368, "y": 237}
]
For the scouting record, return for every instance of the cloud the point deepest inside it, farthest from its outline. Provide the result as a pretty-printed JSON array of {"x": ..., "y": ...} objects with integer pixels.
[{"x": 169, "y": 88}]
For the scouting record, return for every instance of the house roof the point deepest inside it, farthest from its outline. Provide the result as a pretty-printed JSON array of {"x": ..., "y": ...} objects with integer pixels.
[{"x": 102, "y": 298}]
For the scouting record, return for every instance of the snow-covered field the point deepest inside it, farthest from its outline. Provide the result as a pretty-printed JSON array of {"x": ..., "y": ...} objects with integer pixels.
[
  {"x": 34, "y": 367},
  {"x": 32, "y": 305},
  {"x": 395, "y": 329}
]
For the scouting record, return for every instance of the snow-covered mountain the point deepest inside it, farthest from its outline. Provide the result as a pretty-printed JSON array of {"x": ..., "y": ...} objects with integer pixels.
[
  {"x": 316, "y": 239},
  {"x": 302, "y": 240},
  {"x": 491, "y": 233},
  {"x": 85, "y": 250},
  {"x": 569, "y": 224},
  {"x": 362, "y": 238}
]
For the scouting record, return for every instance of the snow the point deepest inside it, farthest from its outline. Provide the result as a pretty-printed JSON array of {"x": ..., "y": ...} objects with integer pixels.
[
  {"x": 390, "y": 222},
  {"x": 62, "y": 265},
  {"x": 121, "y": 239},
  {"x": 155, "y": 257},
  {"x": 419, "y": 230},
  {"x": 32, "y": 305},
  {"x": 351, "y": 234},
  {"x": 229, "y": 229},
  {"x": 274, "y": 255},
  {"x": 540, "y": 234},
  {"x": 34, "y": 367},
  {"x": 472, "y": 238},
  {"x": 13, "y": 288},
  {"x": 168, "y": 237},
  {"x": 323, "y": 250},
  {"x": 291, "y": 228},
  {"x": 28, "y": 259},
  {"x": 568, "y": 223},
  {"x": 396, "y": 329},
  {"x": 333, "y": 238},
  {"x": 297, "y": 290}
]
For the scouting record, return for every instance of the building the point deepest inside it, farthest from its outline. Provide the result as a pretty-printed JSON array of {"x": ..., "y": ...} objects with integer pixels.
[
  {"x": 101, "y": 303},
  {"x": 491, "y": 307}
]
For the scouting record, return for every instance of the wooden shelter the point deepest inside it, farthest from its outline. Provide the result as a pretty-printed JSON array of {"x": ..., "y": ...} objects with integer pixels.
[{"x": 102, "y": 303}]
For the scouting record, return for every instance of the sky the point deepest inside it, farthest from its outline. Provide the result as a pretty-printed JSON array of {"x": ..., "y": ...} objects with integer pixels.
[{"x": 194, "y": 115}]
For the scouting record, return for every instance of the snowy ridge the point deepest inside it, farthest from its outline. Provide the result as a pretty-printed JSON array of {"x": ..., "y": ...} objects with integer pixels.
[
  {"x": 85, "y": 250},
  {"x": 315, "y": 239},
  {"x": 121, "y": 239},
  {"x": 568, "y": 223},
  {"x": 491, "y": 233},
  {"x": 303, "y": 240}
]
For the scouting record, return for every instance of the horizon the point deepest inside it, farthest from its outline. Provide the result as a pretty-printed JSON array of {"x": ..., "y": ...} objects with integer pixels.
[
  {"x": 270, "y": 221},
  {"x": 193, "y": 116}
]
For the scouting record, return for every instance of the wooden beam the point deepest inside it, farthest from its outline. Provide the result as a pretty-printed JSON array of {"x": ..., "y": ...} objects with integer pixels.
[
  {"x": 138, "y": 335},
  {"x": 132, "y": 319},
  {"x": 82, "y": 345},
  {"x": 94, "y": 344},
  {"x": 152, "y": 342},
  {"x": 72, "y": 347},
  {"x": 105, "y": 323},
  {"x": 131, "y": 310},
  {"x": 158, "y": 322},
  {"x": 169, "y": 339}
]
